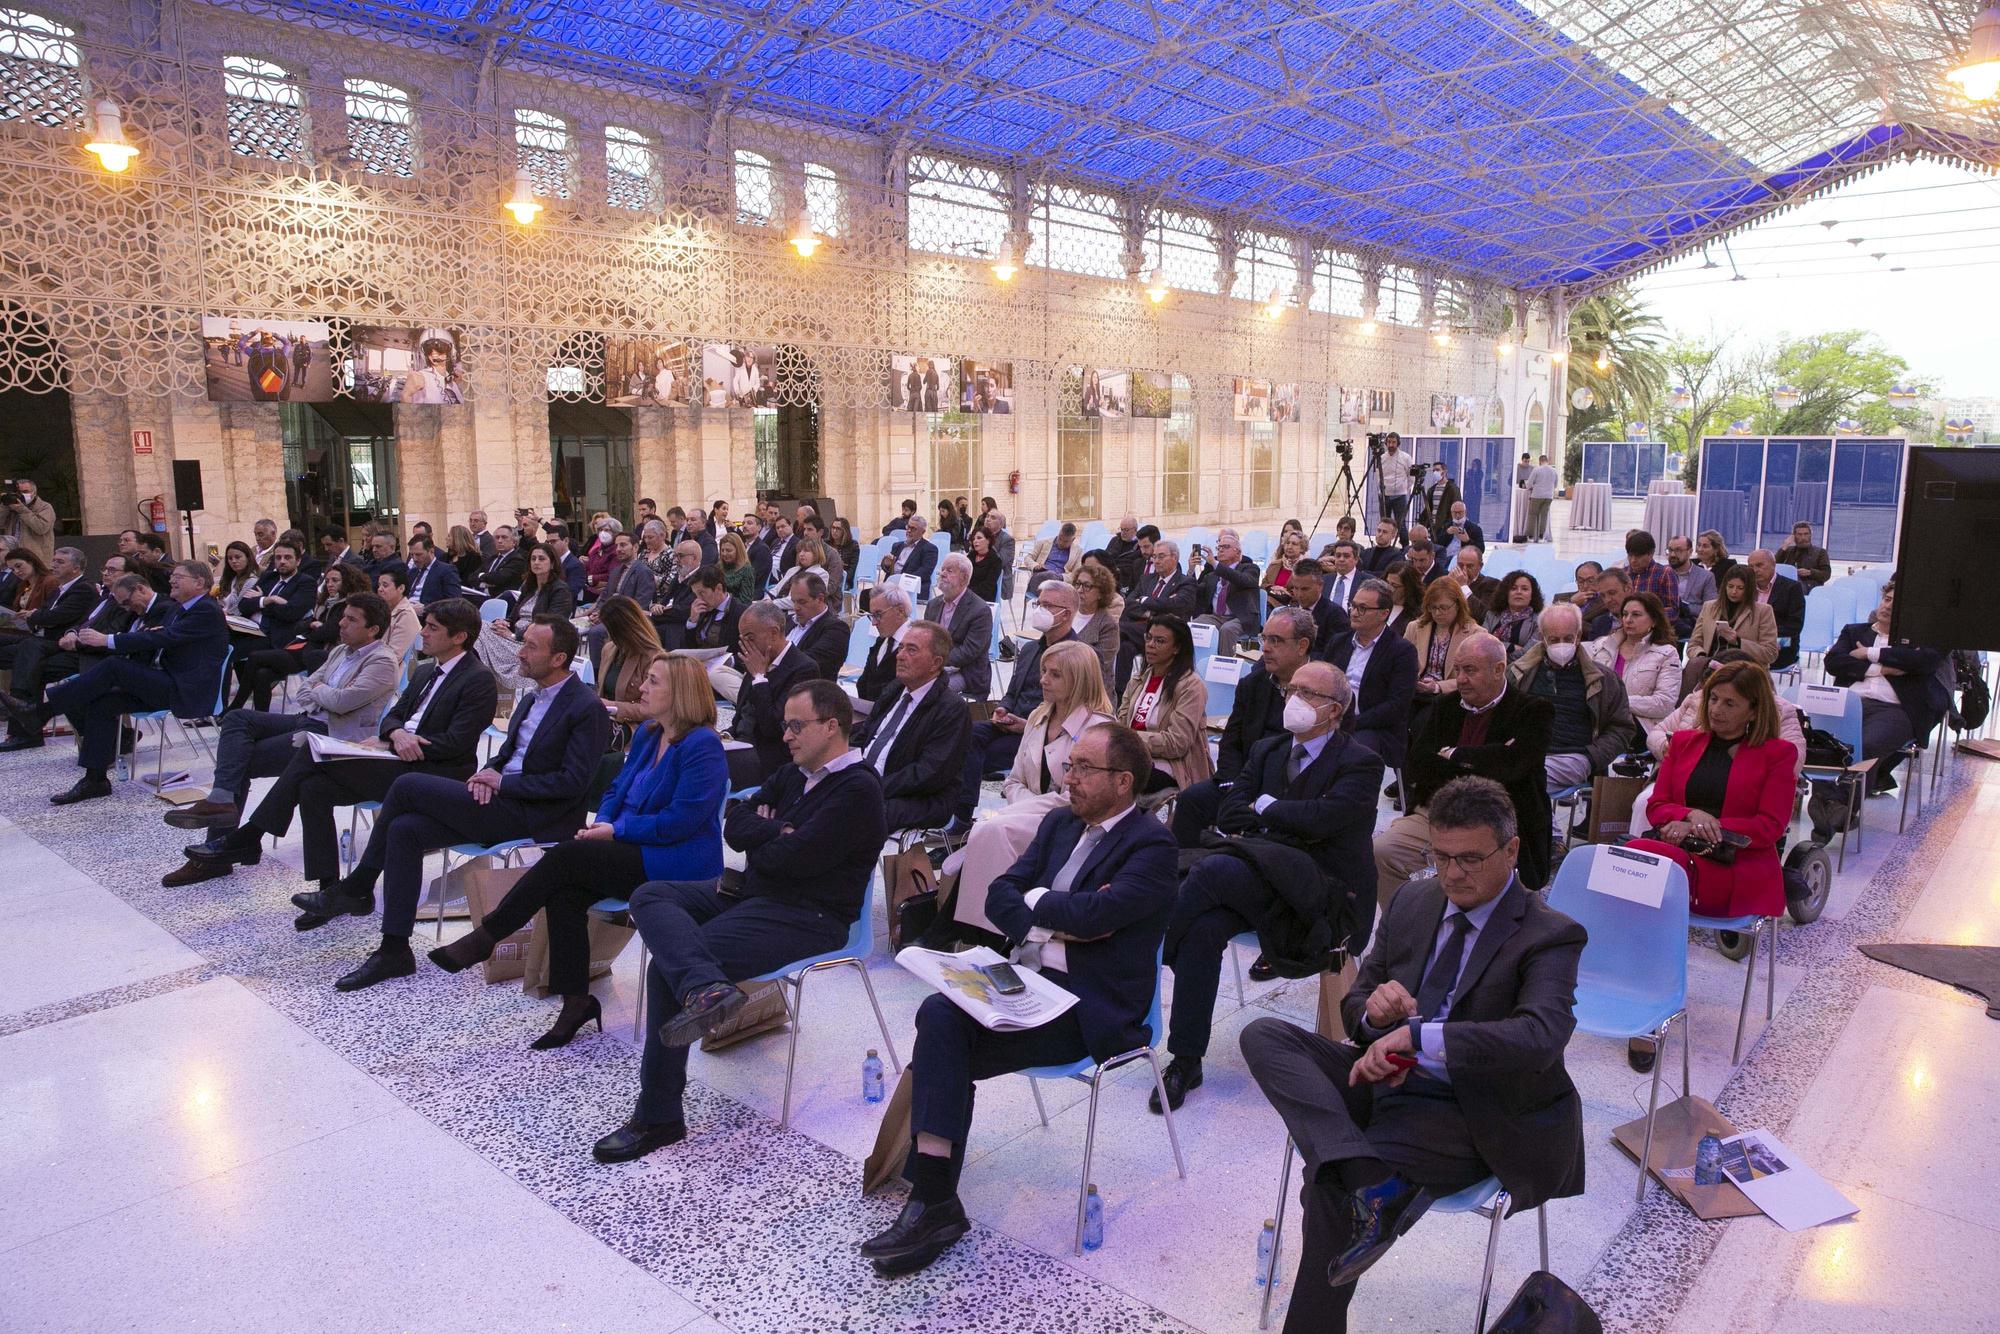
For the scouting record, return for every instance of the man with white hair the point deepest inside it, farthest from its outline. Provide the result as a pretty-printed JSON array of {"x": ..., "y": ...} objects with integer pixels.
[
  {"x": 916, "y": 555},
  {"x": 969, "y": 669},
  {"x": 1591, "y": 723},
  {"x": 1125, "y": 553},
  {"x": 889, "y": 612},
  {"x": 1226, "y": 592},
  {"x": 673, "y": 597}
]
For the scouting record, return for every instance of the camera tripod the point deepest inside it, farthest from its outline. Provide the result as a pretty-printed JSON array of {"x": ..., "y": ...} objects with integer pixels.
[{"x": 1345, "y": 476}]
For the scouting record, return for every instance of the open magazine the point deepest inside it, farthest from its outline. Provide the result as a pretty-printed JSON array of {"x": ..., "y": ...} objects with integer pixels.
[
  {"x": 326, "y": 748},
  {"x": 961, "y": 978},
  {"x": 244, "y": 624}
]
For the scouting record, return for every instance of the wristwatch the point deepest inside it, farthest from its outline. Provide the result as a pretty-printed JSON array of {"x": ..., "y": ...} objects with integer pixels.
[{"x": 1416, "y": 1033}]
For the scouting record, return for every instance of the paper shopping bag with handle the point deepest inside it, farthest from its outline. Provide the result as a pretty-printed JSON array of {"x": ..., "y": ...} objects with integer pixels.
[
  {"x": 892, "y": 1140},
  {"x": 483, "y": 884}
]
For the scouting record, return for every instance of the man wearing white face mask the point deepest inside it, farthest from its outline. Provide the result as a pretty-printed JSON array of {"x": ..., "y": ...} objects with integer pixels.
[
  {"x": 1592, "y": 722},
  {"x": 1296, "y": 864},
  {"x": 994, "y": 743}
]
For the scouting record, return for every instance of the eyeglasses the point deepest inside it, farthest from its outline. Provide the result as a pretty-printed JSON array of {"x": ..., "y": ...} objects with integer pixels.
[
  {"x": 1465, "y": 862},
  {"x": 792, "y": 726},
  {"x": 1300, "y": 692},
  {"x": 1353, "y": 607},
  {"x": 1072, "y": 767}
]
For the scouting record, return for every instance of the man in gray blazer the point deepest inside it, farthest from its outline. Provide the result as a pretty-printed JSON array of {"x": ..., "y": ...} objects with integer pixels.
[
  {"x": 1458, "y": 1019},
  {"x": 969, "y": 669}
]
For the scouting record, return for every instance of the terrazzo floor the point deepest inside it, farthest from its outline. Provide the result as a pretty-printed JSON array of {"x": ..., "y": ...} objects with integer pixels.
[{"x": 197, "y": 1131}]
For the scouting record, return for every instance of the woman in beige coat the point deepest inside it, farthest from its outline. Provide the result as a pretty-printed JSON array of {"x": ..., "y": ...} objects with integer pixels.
[
  {"x": 1733, "y": 619},
  {"x": 1073, "y": 699},
  {"x": 1166, "y": 703}
]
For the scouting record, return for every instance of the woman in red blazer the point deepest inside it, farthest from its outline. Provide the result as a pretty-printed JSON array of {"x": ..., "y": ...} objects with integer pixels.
[{"x": 1732, "y": 771}]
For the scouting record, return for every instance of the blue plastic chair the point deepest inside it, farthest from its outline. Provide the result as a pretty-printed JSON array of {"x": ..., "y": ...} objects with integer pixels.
[
  {"x": 505, "y": 850},
  {"x": 1248, "y": 940},
  {"x": 1257, "y": 545},
  {"x": 1201, "y": 534},
  {"x": 162, "y": 717},
  {"x": 1048, "y": 529},
  {"x": 942, "y": 542},
  {"x": 1095, "y": 534},
  {"x": 1220, "y": 675},
  {"x": 1790, "y": 572},
  {"x": 1757, "y": 927},
  {"x": 1632, "y": 980},
  {"x": 1486, "y": 1198},
  {"x": 493, "y": 609},
  {"x": 1087, "y": 1071},
  {"x": 1817, "y": 634},
  {"x": 1845, "y": 725},
  {"x": 859, "y": 639}
]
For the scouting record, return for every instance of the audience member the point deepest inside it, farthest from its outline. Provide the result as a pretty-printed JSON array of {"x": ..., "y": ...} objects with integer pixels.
[
  {"x": 1787, "y": 602},
  {"x": 1600, "y": 614},
  {"x": 1644, "y": 655},
  {"x": 382, "y": 555},
  {"x": 1226, "y": 591},
  {"x": 768, "y": 667},
  {"x": 1696, "y": 585},
  {"x": 915, "y": 556},
  {"x": 1481, "y": 589},
  {"x": 1384, "y": 551},
  {"x": 840, "y": 541},
  {"x": 1902, "y": 699},
  {"x": 505, "y": 568},
  {"x": 1343, "y": 574},
  {"x": 1099, "y": 615},
  {"x": 1278, "y": 574},
  {"x": 1734, "y": 619},
  {"x": 37, "y": 659},
  {"x": 890, "y": 615},
  {"x": 916, "y": 735},
  {"x": 1648, "y": 575},
  {"x": 405, "y": 622},
  {"x": 1812, "y": 563},
  {"x": 69, "y": 601},
  {"x": 673, "y": 596},
  {"x": 1127, "y": 560},
  {"x": 1712, "y": 553},
  {"x": 969, "y": 669},
  {"x": 1167, "y": 705},
  {"x": 1515, "y": 618},
  {"x": 1590, "y": 723},
  {"x": 1049, "y": 558},
  {"x": 1421, "y": 557},
  {"x": 1438, "y": 635},
  {"x": 1473, "y": 978},
  {"x": 630, "y": 645},
  {"x": 986, "y": 568},
  {"x": 995, "y": 524},
  {"x": 816, "y": 628},
  {"x": 1381, "y": 671},
  {"x": 1258, "y": 712},
  {"x": 992, "y": 743},
  {"x": 1165, "y": 591},
  {"x": 901, "y": 522},
  {"x": 431, "y": 577}
]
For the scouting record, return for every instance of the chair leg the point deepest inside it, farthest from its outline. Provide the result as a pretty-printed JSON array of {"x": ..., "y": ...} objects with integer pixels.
[
  {"x": 1238, "y": 965},
  {"x": 1173, "y": 1136},
  {"x": 1771, "y": 977},
  {"x": 444, "y": 876},
  {"x": 1035, "y": 1087},
  {"x": 1687, "y": 1042},
  {"x": 1542, "y": 1226},
  {"x": 1652, "y": 1106},
  {"x": 888, "y": 1043},
  {"x": 1277, "y": 1237},
  {"x": 792, "y": 1050},
  {"x": 1089, "y": 1145},
  {"x": 639, "y": 1001},
  {"x": 1749, "y": 982},
  {"x": 1496, "y": 1211}
]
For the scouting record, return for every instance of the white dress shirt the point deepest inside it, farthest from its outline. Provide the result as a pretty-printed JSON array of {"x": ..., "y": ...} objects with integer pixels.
[
  {"x": 543, "y": 699},
  {"x": 431, "y": 692},
  {"x": 1054, "y": 953},
  {"x": 1313, "y": 749},
  {"x": 847, "y": 759},
  {"x": 893, "y": 724}
]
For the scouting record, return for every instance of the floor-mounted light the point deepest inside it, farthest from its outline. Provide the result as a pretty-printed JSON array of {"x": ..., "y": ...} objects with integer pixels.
[
  {"x": 1004, "y": 268},
  {"x": 804, "y": 239},
  {"x": 1156, "y": 286},
  {"x": 1979, "y": 77},
  {"x": 522, "y": 203},
  {"x": 108, "y": 138}
]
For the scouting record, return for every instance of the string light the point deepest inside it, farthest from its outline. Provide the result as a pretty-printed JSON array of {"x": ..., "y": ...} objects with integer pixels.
[
  {"x": 523, "y": 204},
  {"x": 1559, "y": 355},
  {"x": 1603, "y": 362},
  {"x": 108, "y": 140}
]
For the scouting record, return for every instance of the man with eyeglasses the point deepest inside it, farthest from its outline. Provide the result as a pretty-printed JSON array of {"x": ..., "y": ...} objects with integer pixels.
[
  {"x": 1483, "y": 728},
  {"x": 889, "y": 612},
  {"x": 1381, "y": 670},
  {"x": 1458, "y": 1016},
  {"x": 771, "y": 667},
  {"x": 1258, "y": 712},
  {"x": 810, "y": 838},
  {"x": 1290, "y": 857}
]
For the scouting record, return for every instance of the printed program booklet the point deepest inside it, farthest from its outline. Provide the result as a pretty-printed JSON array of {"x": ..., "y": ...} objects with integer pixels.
[{"x": 961, "y": 977}]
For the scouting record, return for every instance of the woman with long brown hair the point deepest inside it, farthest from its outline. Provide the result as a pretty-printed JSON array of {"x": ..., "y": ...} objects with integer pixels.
[
  {"x": 1732, "y": 619},
  {"x": 630, "y": 643}
]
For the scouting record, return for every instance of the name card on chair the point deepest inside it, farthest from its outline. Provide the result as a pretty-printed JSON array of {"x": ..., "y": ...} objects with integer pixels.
[
  {"x": 1823, "y": 701},
  {"x": 1224, "y": 671},
  {"x": 911, "y": 584},
  {"x": 1629, "y": 874},
  {"x": 1203, "y": 634}
]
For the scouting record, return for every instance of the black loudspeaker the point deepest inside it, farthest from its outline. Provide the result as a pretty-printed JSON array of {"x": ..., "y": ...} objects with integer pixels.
[
  {"x": 187, "y": 484},
  {"x": 1946, "y": 595}
]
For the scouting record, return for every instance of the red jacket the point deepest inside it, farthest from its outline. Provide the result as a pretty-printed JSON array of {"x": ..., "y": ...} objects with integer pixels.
[{"x": 1757, "y": 802}]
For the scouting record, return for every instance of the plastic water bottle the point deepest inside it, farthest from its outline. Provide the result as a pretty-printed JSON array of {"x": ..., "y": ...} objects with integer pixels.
[
  {"x": 871, "y": 1077},
  {"x": 1093, "y": 1220},
  {"x": 347, "y": 847},
  {"x": 1266, "y": 1240},
  {"x": 1708, "y": 1161}
]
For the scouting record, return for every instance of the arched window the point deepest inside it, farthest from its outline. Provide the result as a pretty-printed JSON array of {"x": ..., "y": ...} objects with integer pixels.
[
  {"x": 1399, "y": 298},
  {"x": 1337, "y": 285},
  {"x": 955, "y": 208},
  {"x": 380, "y": 128},
  {"x": 1180, "y": 454},
  {"x": 1496, "y": 415},
  {"x": 1079, "y": 443},
  {"x": 266, "y": 109},
  {"x": 629, "y": 178},
  {"x": 542, "y": 149},
  {"x": 1537, "y": 428},
  {"x": 1260, "y": 440},
  {"x": 40, "y": 62},
  {"x": 1265, "y": 268},
  {"x": 756, "y": 189},
  {"x": 824, "y": 208}
]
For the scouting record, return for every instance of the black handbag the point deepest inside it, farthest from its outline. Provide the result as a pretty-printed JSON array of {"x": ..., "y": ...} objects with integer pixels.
[
  {"x": 1825, "y": 750},
  {"x": 1721, "y": 850},
  {"x": 1546, "y": 1305}
]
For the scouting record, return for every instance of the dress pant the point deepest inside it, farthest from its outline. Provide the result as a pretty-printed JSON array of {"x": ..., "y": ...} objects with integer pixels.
[
  {"x": 1195, "y": 810},
  {"x": 1885, "y": 730},
  {"x": 991, "y": 748},
  {"x": 1401, "y": 850},
  {"x": 312, "y": 788},
  {"x": 423, "y": 812},
  {"x": 1397, "y": 510},
  {"x": 1538, "y": 520},
  {"x": 954, "y": 1051},
  {"x": 1565, "y": 769},
  {"x": 1417, "y": 1131},
  {"x": 36, "y": 662},
  {"x": 563, "y": 884},
  {"x": 96, "y": 700},
  {"x": 259, "y": 673},
  {"x": 1130, "y": 644},
  {"x": 698, "y": 938},
  {"x": 1227, "y": 631},
  {"x": 1221, "y": 897},
  {"x": 255, "y": 745}
]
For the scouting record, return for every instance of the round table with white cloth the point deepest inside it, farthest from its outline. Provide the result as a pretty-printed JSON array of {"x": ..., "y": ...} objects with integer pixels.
[
  {"x": 1590, "y": 507},
  {"x": 1666, "y": 486},
  {"x": 1517, "y": 514},
  {"x": 1670, "y": 516}
]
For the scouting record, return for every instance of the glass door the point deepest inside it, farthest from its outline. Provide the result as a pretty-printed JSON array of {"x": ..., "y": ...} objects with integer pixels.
[{"x": 340, "y": 466}]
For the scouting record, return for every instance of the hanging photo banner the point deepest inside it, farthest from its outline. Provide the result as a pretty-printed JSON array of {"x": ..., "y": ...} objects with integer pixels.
[
  {"x": 1285, "y": 403},
  {"x": 921, "y": 382},
  {"x": 1353, "y": 405},
  {"x": 657, "y": 372},
  {"x": 266, "y": 361},
  {"x": 739, "y": 375},
  {"x": 398, "y": 364},
  {"x": 1465, "y": 414},
  {"x": 1250, "y": 399},
  {"x": 1152, "y": 394},
  {"x": 985, "y": 386},
  {"x": 1114, "y": 397},
  {"x": 1381, "y": 405},
  {"x": 1442, "y": 406}
]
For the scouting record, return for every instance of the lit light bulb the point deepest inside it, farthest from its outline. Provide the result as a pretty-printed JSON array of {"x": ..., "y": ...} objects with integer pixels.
[
  {"x": 1156, "y": 286},
  {"x": 108, "y": 139},
  {"x": 1603, "y": 362},
  {"x": 1559, "y": 356},
  {"x": 1004, "y": 267},
  {"x": 1442, "y": 338},
  {"x": 1274, "y": 309},
  {"x": 804, "y": 239},
  {"x": 1366, "y": 328},
  {"x": 523, "y": 204},
  {"x": 1979, "y": 77},
  {"x": 1503, "y": 348}
]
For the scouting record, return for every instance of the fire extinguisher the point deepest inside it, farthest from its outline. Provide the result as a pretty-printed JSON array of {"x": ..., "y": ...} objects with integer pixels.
[
  {"x": 1014, "y": 482},
  {"x": 155, "y": 511}
]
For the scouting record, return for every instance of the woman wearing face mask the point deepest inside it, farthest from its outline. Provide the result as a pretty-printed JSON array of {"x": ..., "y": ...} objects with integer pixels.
[{"x": 1643, "y": 653}]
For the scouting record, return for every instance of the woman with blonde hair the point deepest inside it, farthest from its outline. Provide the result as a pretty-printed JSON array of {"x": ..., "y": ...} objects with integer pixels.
[
  {"x": 1443, "y": 625},
  {"x": 811, "y": 560},
  {"x": 739, "y": 576},
  {"x": 661, "y": 819},
  {"x": 1073, "y": 699},
  {"x": 463, "y": 552},
  {"x": 1278, "y": 574}
]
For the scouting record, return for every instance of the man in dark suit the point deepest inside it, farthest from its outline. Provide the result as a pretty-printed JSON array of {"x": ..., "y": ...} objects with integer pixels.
[
  {"x": 817, "y": 630},
  {"x": 890, "y": 615},
  {"x": 783, "y": 548},
  {"x": 1473, "y": 978},
  {"x": 1458, "y": 532},
  {"x": 431, "y": 579},
  {"x": 1088, "y": 903},
  {"x": 282, "y": 597},
  {"x": 555, "y": 536},
  {"x": 1481, "y": 589},
  {"x": 74, "y": 598},
  {"x": 177, "y": 666},
  {"x": 482, "y": 536},
  {"x": 1384, "y": 551},
  {"x": 434, "y": 728},
  {"x": 1226, "y": 592},
  {"x": 1163, "y": 589},
  {"x": 1485, "y": 728},
  {"x": 683, "y": 526},
  {"x": 771, "y": 666},
  {"x": 382, "y": 556},
  {"x": 505, "y": 568},
  {"x": 1381, "y": 669},
  {"x": 759, "y": 552},
  {"x": 994, "y": 743},
  {"x": 1343, "y": 573},
  {"x": 1297, "y": 820},
  {"x": 1902, "y": 699},
  {"x": 916, "y": 735},
  {"x": 915, "y": 555},
  {"x": 1127, "y": 560},
  {"x": 1814, "y": 566},
  {"x": 962, "y": 612},
  {"x": 1787, "y": 602},
  {"x": 810, "y": 838},
  {"x": 533, "y": 787},
  {"x": 38, "y": 660},
  {"x": 714, "y": 614},
  {"x": 1422, "y": 557},
  {"x": 1258, "y": 712},
  {"x": 1309, "y": 593}
]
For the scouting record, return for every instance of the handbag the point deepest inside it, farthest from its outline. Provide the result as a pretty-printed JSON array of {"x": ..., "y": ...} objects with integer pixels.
[
  {"x": 1824, "y": 750},
  {"x": 1721, "y": 849},
  {"x": 1546, "y": 1305}
]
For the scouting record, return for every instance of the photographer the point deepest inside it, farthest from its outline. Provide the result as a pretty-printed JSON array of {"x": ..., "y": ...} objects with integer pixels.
[
  {"x": 26, "y": 520},
  {"x": 1393, "y": 475}
]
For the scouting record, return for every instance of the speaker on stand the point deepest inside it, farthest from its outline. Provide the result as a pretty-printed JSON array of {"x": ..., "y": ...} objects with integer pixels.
[{"x": 187, "y": 495}]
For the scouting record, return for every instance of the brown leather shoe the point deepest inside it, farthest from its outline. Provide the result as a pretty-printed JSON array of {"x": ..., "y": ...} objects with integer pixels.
[
  {"x": 204, "y": 814},
  {"x": 193, "y": 872}
]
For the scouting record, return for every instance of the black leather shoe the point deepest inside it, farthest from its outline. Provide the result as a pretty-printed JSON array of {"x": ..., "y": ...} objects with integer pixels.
[
  {"x": 241, "y": 846},
  {"x": 22, "y": 711},
  {"x": 306, "y": 921},
  {"x": 333, "y": 901},
  {"x": 85, "y": 789},
  {"x": 380, "y": 966},
  {"x": 920, "y": 1234},
  {"x": 702, "y": 1013},
  {"x": 635, "y": 1140},
  {"x": 193, "y": 872},
  {"x": 1641, "y": 1058},
  {"x": 208, "y": 852},
  {"x": 1261, "y": 970},
  {"x": 21, "y": 743},
  {"x": 1381, "y": 1214},
  {"x": 1180, "y": 1075}
]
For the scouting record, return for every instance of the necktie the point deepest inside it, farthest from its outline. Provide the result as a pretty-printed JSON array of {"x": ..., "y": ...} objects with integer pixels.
[
  {"x": 1298, "y": 764},
  {"x": 888, "y": 732},
  {"x": 1443, "y": 975},
  {"x": 1066, "y": 878},
  {"x": 1340, "y": 592},
  {"x": 1221, "y": 594}
]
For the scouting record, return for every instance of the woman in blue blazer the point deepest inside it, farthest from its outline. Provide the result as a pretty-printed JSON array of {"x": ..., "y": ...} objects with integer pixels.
[{"x": 660, "y": 820}]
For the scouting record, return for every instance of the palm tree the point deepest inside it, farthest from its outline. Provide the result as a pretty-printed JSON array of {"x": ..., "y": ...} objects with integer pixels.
[{"x": 1613, "y": 326}]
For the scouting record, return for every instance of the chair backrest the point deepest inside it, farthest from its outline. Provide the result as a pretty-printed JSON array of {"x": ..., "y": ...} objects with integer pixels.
[
  {"x": 1047, "y": 529},
  {"x": 942, "y": 541},
  {"x": 1816, "y": 702},
  {"x": 493, "y": 609},
  {"x": 861, "y": 935},
  {"x": 1790, "y": 572},
  {"x": 1094, "y": 536},
  {"x": 1817, "y": 633},
  {"x": 993, "y": 651},
  {"x": 1221, "y": 674},
  {"x": 1635, "y": 951},
  {"x": 867, "y": 563},
  {"x": 858, "y": 640},
  {"x": 1198, "y": 534},
  {"x": 1843, "y": 598},
  {"x": 1257, "y": 545}
]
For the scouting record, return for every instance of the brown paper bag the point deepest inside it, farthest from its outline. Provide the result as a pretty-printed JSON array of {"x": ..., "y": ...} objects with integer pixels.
[
  {"x": 1611, "y": 813},
  {"x": 892, "y": 1140},
  {"x": 607, "y": 941},
  {"x": 1332, "y": 987},
  {"x": 766, "y": 1013},
  {"x": 1677, "y": 1129},
  {"x": 484, "y": 885},
  {"x": 982, "y": 709},
  {"x": 907, "y": 874}
]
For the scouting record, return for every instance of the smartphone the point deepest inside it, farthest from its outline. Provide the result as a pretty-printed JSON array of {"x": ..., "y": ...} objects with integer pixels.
[
  {"x": 1004, "y": 979},
  {"x": 1400, "y": 1061}
]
